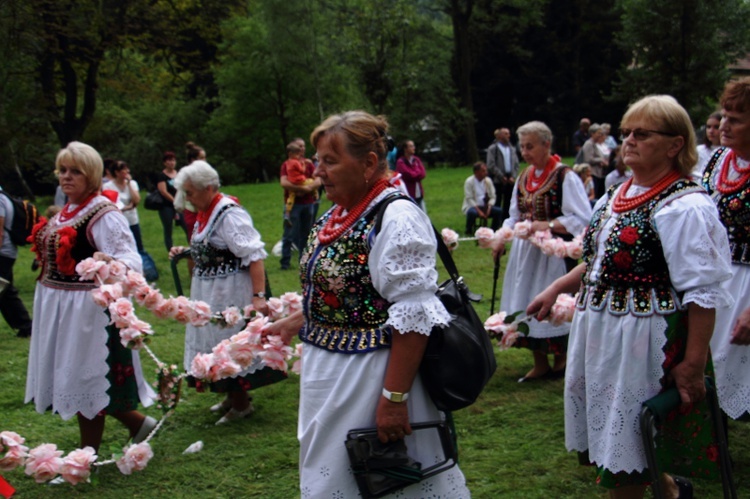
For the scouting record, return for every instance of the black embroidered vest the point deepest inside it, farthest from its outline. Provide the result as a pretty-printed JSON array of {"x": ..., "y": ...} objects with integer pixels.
[
  {"x": 734, "y": 208},
  {"x": 48, "y": 238},
  {"x": 546, "y": 202},
  {"x": 344, "y": 313},
  {"x": 210, "y": 261},
  {"x": 634, "y": 277}
]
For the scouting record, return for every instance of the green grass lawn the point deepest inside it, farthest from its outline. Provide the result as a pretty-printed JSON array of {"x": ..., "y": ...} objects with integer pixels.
[{"x": 511, "y": 441}]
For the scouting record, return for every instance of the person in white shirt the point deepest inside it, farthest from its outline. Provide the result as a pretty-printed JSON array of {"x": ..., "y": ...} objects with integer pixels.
[
  {"x": 617, "y": 176},
  {"x": 479, "y": 199}
]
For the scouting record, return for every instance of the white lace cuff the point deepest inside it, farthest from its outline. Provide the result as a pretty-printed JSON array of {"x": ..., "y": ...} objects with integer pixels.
[
  {"x": 711, "y": 296},
  {"x": 254, "y": 256},
  {"x": 418, "y": 315}
]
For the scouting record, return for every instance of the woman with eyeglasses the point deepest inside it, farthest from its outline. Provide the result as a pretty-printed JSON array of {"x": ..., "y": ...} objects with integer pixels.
[
  {"x": 727, "y": 180},
  {"x": 655, "y": 256}
]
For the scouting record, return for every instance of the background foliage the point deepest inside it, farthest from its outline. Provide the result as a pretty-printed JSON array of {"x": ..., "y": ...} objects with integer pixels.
[{"x": 243, "y": 77}]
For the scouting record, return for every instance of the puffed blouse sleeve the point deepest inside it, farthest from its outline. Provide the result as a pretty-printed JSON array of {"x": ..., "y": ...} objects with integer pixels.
[
  {"x": 576, "y": 208},
  {"x": 696, "y": 248},
  {"x": 402, "y": 265},
  {"x": 111, "y": 235},
  {"x": 235, "y": 231}
]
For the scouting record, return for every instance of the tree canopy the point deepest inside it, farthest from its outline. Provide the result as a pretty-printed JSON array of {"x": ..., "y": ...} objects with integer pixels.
[{"x": 243, "y": 77}]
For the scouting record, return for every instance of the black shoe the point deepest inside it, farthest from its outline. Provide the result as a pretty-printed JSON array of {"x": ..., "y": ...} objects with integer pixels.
[
  {"x": 684, "y": 486},
  {"x": 552, "y": 374}
]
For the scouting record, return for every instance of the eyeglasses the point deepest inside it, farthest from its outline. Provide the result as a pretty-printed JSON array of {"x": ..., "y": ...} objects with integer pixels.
[{"x": 641, "y": 134}]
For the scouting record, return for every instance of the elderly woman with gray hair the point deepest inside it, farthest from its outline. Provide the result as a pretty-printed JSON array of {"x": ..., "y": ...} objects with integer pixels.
[
  {"x": 552, "y": 197},
  {"x": 228, "y": 254}
]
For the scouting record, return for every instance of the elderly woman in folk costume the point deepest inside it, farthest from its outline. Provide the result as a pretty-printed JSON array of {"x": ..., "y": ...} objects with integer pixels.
[
  {"x": 552, "y": 197},
  {"x": 228, "y": 254},
  {"x": 727, "y": 180},
  {"x": 77, "y": 365},
  {"x": 655, "y": 256},
  {"x": 369, "y": 307}
]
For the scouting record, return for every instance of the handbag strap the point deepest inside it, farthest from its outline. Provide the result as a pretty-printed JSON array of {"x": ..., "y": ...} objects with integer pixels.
[{"x": 443, "y": 251}]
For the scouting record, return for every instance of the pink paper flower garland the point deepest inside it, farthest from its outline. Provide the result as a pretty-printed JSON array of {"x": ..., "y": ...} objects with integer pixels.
[
  {"x": 506, "y": 328},
  {"x": 544, "y": 240},
  {"x": 46, "y": 462}
]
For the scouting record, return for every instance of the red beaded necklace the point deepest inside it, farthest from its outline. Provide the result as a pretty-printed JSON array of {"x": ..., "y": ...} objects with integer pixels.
[
  {"x": 532, "y": 184},
  {"x": 66, "y": 213},
  {"x": 621, "y": 203},
  {"x": 726, "y": 186},
  {"x": 203, "y": 216},
  {"x": 338, "y": 223}
]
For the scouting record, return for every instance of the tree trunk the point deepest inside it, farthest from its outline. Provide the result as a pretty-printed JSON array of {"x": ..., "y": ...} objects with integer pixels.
[{"x": 460, "y": 18}]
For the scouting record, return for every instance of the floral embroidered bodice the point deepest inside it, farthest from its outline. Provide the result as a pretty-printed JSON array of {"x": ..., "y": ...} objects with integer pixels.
[
  {"x": 734, "y": 208},
  {"x": 344, "y": 312},
  {"x": 546, "y": 202},
  {"x": 634, "y": 275},
  {"x": 47, "y": 242},
  {"x": 210, "y": 261}
]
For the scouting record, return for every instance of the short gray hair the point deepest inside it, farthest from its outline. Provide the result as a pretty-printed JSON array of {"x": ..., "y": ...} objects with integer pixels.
[
  {"x": 536, "y": 128},
  {"x": 199, "y": 173}
]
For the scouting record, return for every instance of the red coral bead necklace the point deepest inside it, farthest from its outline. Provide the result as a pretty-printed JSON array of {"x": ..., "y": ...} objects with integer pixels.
[
  {"x": 338, "y": 223},
  {"x": 533, "y": 184},
  {"x": 66, "y": 213},
  {"x": 622, "y": 203},
  {"x": 726, "y": 186}
]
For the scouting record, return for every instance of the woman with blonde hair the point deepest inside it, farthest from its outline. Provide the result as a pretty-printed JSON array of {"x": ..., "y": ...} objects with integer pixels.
[
  {"x": 77, "y": 365},
  {"x": 655, "y": 256}
]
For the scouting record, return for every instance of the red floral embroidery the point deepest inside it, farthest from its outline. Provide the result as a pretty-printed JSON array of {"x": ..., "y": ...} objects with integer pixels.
[
  {"x": 331, "y": 300},
  {"x": 623, "y": 259},
  {"x": 629, "y": 235},
  {"x": 712, "y": 452},
  {"x": 67, "y": 239}
]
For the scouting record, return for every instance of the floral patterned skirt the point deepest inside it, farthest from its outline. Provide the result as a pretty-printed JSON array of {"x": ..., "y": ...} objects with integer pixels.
[
  {"x": 556, "y": 345},
  {"x": 123, "y": 386},
  {"x": 261, "y": 377}
]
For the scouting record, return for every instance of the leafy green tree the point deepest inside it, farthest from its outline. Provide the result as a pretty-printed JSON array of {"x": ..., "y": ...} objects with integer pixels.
[{"x": 681, "y": 48}]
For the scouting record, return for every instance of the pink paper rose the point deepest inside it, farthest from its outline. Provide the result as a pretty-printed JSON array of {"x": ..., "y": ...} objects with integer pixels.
[
  {"x": 121, "y": 312},
  {"x": 522, "y": 229},
  {"x": 232, "y": 316},
  {"x": 166, "y": 309},
  {"x": 484, "y": 236},
  {"x": 76, "y": 466},
  {"x": 450, "y": 238},
  {"x": 574, "y": 249},
  {"x": 44, "y": 462},
  {"x": 292, "y": 302},
  {"x": 89, "y": 268},
  {"x": 201, "y": 314},
  {"x": 117, "y": 271},
  {"x": 496, "y": 322},
  {"x": 136, "y": 458},
  {"x": 106, "y": 294},
  {"x": 563, "y": 309},
  {"x": 201, "y": 365},
  {"x": 275, "y": 308},
  {"x": 15, "y": 457}
]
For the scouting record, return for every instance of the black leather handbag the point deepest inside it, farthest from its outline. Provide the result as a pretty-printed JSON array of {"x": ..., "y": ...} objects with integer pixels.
[
  {"x": 154, "y": 201},
  {"x": 459, "y": 359}
]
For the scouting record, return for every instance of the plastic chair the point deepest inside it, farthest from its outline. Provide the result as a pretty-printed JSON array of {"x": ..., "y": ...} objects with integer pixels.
[{"x": 654, "y": 412}]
